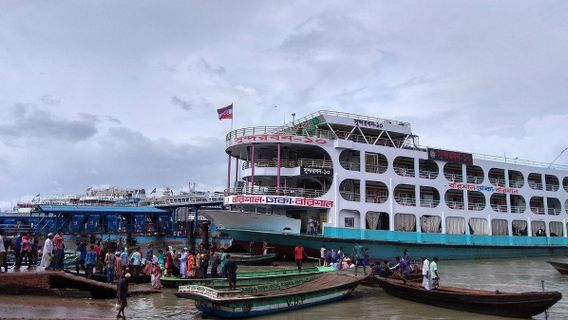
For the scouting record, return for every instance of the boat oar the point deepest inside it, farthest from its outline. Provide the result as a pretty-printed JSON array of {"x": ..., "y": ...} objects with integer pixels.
[{"x": 545, "y": 311}]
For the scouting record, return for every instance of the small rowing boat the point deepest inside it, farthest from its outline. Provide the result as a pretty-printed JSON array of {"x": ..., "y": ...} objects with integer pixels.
[
  {"x": 271, "y": 298},
  {"x": 505, "y": 304},
  {"x": 247, "y": 278},
  {"x": 559, "y": 266},
  {"x": 253, "y": 260}
]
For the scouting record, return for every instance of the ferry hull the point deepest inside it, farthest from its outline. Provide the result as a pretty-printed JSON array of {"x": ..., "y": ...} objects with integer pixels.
[{"x": 285, "y": 244}]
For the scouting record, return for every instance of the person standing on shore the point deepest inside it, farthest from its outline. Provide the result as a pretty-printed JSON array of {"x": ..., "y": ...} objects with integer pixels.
[
  {"x": 26, "y": 251},
  {"x": 91, "y": 260},
  {"x": 124, "y": 260},
  {"x": 110, "y": 261},
  {"x": 214, "y": 264},
  {"x": 3, "y": 253},
  {"x": 57, "y": 262},
  {"x": 136, "y": 261},
  {"x": 122, "y": 295},
  {"x": 47, "y": 252},
  {"x": 18, "y": 249}
]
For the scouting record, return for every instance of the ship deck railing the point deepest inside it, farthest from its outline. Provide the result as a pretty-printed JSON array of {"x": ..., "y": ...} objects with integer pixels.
[
  {"x": 518, "y": 209},
  {"x": 350, "y": 195},
  {"x": 273, "y": 191},
  {"x": 427, "y": 174},
  {"x": 432, "y": 203},
  {"x": 535, "y": 185},
  {"x": 474, "y": 179},
  {"x": 499, "y": 207},
  {"x": 552, "y": 187},
  {"x": 304, "y": 162},
  {"x": 537, "y": 210},
  {"x": 499, "y": 182}
]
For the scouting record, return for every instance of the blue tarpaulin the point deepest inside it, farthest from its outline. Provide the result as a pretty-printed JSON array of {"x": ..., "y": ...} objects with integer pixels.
[
  {"x": 77, "y": 223},
  {"x": 139, "y": 223},
  {"x": 93, "y": 223},
  {"x": 112, "y": 223}
]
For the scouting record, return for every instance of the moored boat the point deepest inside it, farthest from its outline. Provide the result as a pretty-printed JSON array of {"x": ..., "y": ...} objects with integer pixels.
[
  {"x": 253, "y": 260},
  {"x": 505, "y": 304},
  {"x": 248, "y": 278},
  {"x": 277, "y": 297},
  {"x": 559, "y": 266}
]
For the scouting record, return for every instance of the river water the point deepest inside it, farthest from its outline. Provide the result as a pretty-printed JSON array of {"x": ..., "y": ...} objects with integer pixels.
[{"x": 503, "y": 274}]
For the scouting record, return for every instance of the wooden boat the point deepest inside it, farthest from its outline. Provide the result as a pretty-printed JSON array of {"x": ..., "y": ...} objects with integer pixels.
[
  {"x": 559, "y": 266},
  {"x": 253, "y": 260},
  {"x": 142, "y": 278},
  {"x": 505, "y": 304},
  {"x": 247, "y": 278},
  {"x": 271, "y": 298}
]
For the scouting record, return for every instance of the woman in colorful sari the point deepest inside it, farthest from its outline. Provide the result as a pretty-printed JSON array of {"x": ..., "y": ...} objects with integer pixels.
[{"x": 190, "y": 265}]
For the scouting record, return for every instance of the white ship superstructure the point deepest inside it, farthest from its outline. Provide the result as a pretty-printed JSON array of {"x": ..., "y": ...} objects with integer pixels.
[{"x": 356, "y": 172}]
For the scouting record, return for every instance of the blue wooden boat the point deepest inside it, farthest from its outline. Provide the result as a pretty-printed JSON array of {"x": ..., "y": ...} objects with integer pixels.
[{"x": 272, "y": 298}]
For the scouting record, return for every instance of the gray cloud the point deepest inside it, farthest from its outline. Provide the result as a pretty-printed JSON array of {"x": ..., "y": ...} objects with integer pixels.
[
  {"x": 181, "y": 103},
  {"x": 31, "y": 122},
  {"x": 49, "y": 100}
]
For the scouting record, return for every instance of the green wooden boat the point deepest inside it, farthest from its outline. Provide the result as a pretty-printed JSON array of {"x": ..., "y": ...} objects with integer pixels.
[
  {"x": 247, "y": 278},
  {"x": 253, "y": 260},
  {"x": 271, "y": 298}
]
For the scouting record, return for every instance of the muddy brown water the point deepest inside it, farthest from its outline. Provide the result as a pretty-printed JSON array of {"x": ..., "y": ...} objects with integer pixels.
[{"x": 367, "y": 302}]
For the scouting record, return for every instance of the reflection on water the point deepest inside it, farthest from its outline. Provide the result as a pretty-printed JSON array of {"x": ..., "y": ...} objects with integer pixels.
[{"x": 504, "y": 274}]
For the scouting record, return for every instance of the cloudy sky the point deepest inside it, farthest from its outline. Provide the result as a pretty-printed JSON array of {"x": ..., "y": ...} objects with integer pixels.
[{"x": 124, "y": 92}]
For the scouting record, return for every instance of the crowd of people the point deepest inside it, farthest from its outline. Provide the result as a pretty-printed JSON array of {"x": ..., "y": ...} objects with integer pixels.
[{"x": 405, "y": 267}]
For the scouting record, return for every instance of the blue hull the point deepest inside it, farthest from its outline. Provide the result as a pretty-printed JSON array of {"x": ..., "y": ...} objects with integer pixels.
[{"x": 387, "y": 249}]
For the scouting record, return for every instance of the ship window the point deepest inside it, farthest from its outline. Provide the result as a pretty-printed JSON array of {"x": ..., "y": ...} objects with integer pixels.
[
  {"x": 478, "y": 226},
  {"x": 565, "y": 184},
  {"x": 375, "y": 162},
  {"x": 427, "y": 169},
  {"x": 431, "y": 224},
  {"x": 376, "y": 192},
  {"x": 499, "y": 227},
  {"x": 538, "y": 228},
  {"x": 497, "y": 177},
  {"x": 349, "y": 189},
  {"x": 455, "y": 225},
  {"x": 404, "y": 166},
  {"x": 377, "y": 220},
  {"x": 516, "y": 179},
  {"x": 474, "y": 174},
  {"x": 404, "y": 222},
  {"x": 349, "y": 222},
  {"x": 551, "y": 183},
  {"x": 554, "y": 206},
  {"x": 535, "y": 181},
  {"x": 350, "y": 160},
  {"x": 453, "y": 172},
  {"x": 556, "y": 229},
  {"x": 520, "y": 228},
  {"x": 566, "y": 206},
  {"x": 349, "y": 218},
  {"x": 518, "y": 204}
]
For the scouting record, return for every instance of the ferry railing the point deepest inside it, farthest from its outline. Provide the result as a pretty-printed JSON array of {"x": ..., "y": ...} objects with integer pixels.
[
  {"x": 499, "y": 207},
  {"x": 520, "y": 161},
  {"x": 535, "y": 185},
  {"x": 458, "y": 205},
  {"x": 429, "y": 203},
  {"x": 537, "y": 210},
  {"x": 350, "y": 165},
  {"x": 553, "y": 211},
  {"x": 552, "y": 187},
  {"x": 273, "y": 191},
  {"x": 476, "y": 206},
  {"x": 516, "y": 183},
  {"x": 374, "y": 198},
  {"x": 304, "y": 162},
  {"x": 500, "y": 182},
  {"x": 350, "y": 195},
  {"x": 426, "y": 174},
  {"x": 474, "y": 179},
  {"x": 454, "y": 177},
  {"x": 405, "y": 201},
  {"x": 404, "y": 172},
  {"x": 376, "y": 168},
  {"x": 518, "y": 209},
  {"x": 351, "y": 116}
]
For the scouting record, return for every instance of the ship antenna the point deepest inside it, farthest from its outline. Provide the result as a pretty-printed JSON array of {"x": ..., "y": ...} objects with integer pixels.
[{"x": 553, "y": 161}]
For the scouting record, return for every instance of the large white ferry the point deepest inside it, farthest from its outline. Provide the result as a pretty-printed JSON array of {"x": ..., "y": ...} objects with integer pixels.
[{"x": 336, "y": 178}]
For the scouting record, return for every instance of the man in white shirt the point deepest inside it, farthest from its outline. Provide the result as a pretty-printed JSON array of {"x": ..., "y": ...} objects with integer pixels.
[
  {"x": 322, "y": 255},
  {"x": 3, "y": 260},
  {"x": 46, "y": 253},
  {"x": 425, "y": 273}
]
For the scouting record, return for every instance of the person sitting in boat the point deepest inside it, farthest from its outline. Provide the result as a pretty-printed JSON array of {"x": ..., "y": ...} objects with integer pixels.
[
  {"x": 384, "y": 270},
  {"x": 434, "y": 276}
]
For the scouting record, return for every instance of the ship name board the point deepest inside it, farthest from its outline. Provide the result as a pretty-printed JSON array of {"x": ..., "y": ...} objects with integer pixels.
[
  {"x": 310, "y": 171},
  {"x": 450, "y": 156},
  {"x": 279, "y": 200},
  {"x": 279, "y": 137},
  {"x": 475, "y": 187}
]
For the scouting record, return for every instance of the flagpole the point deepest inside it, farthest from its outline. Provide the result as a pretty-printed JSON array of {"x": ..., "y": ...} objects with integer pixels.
[{"x": 233, "y": 116}]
